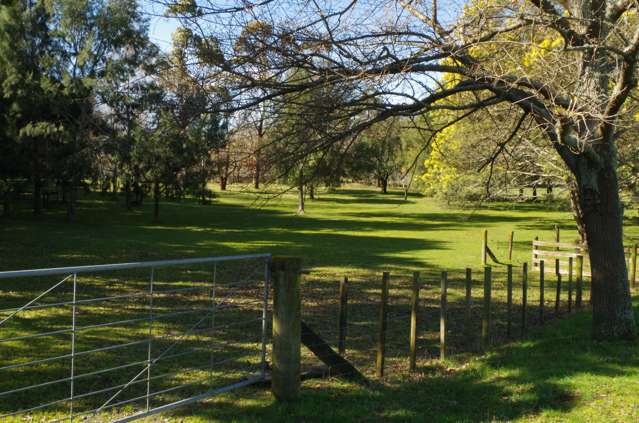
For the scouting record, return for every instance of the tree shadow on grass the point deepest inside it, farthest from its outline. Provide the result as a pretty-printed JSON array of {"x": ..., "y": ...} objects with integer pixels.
[
  {"x": 452, "y": 219},
  {"x": 521, "y": 380},
  {"x": 107, "y": 236},
  {"x": 103, "y": 233}
]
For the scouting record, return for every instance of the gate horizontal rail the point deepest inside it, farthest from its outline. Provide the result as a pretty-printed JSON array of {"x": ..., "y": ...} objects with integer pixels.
[
  {"x": 124, "y": 266},
  {"x": 138, "y": 339}
]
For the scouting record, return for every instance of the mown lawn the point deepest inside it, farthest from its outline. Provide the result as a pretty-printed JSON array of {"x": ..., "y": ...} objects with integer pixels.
[
  {"x": 353, "y": 229},
  {"x": 556, "y": 374}
]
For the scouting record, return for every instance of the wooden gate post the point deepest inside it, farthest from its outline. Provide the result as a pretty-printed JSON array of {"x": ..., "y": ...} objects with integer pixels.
[{"x": 287, "y": 329}]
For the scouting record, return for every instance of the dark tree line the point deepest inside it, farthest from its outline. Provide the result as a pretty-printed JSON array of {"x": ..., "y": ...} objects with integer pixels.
[{"x": 88, "y": 100}]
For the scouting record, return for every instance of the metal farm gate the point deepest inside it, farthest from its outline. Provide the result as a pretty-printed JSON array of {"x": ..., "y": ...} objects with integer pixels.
[{"x": 119, "y": 342}]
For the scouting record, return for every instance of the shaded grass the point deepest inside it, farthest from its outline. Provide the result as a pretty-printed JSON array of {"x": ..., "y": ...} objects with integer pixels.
[
  {"x": 355, "y": 232},
  {"x": 558, "y": 375},
  {"x": 344, "y": 231}
]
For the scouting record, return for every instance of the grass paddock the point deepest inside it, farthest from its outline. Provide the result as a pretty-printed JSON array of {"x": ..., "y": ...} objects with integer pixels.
[{"x": 359, "y": 233}]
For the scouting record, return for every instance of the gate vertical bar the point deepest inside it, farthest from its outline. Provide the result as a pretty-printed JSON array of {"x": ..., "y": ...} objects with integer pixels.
[
  {"x": 212, "y": 327},
  {"x": 342, "y": 316},
  {"x": 267, "y": 279},
  {"x": 443, "y": 300},
  {"x": 149, "y": 341},
  {"x": 73, "y": 327},
  {"x": 413, "y": 323},
  {"x": 383, "y": 323}
]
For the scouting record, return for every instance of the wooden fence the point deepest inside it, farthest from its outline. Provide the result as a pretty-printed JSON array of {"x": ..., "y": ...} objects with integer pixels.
[
  {"x": 472, "y": 321},
  {"x": 557, "y": 255},
  {"x": 561, "y": 253}
]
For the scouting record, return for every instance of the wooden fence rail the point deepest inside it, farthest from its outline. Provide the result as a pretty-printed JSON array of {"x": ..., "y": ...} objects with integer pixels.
[{"x": 562, "y": 252}]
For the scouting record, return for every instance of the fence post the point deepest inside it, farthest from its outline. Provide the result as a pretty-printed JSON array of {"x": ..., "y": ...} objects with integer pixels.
[
  {"x": 509, "y": 300},
  {"x": 535, "y": 256},
  {"x": 413, "y": 323},
  {"x": 510, "y": 245},
  {"x": 570, "y": 263},
  {"x": 484, "y": 248},
  {"x": 442, "y": 316},
  {"x": 580, "y": 281},
  {"x": 558, "y": 295},
  {"x": 381, "y": 345},
  {"x": 287, "y": 327},
  {"x": 524, "y": 298},
  {"x": 542, "y": 286},
  {"x": 469, "y": 300},
  {"x": 633, "y": 266},
  {"x": 557, "y": 270},
  {"x": 343, "y": 315},
  {"x": 485, "y": 321}
]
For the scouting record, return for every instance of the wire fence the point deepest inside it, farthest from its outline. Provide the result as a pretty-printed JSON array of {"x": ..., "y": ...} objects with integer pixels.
[
  {"x": 124, "y": 341},
  {"x": 120, "y": 342},
  {"x": 464, "y": 315}
]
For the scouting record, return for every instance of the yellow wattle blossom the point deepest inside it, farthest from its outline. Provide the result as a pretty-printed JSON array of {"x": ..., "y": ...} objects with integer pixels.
[
  {"x": 538, "y": 51},
  {"x": 439, "y": 173}
]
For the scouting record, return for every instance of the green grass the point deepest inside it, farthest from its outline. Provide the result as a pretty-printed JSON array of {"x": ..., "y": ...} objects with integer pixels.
[
  {"x": 559, "y": 375},
  {"x": 350, "y": 230},
  {"x": 358, "y": 232}
]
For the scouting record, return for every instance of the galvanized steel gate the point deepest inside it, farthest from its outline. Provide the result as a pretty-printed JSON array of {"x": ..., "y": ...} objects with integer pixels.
[{"x": 122, "y": 341}]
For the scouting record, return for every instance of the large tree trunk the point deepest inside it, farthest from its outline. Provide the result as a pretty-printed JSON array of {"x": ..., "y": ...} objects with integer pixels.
[
  {"x": 223, "y": 164},
  {"x": 384, "y": 184},
  {"x": 613, "y": 316},
  {"x": 577, "y": 212}
]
